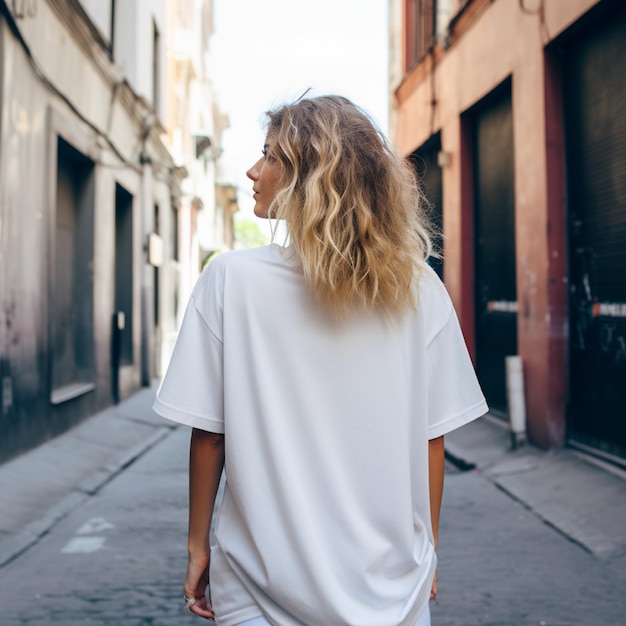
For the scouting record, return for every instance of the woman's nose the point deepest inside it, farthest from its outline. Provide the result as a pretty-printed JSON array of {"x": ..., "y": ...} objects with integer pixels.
[{"x": 253, "y": 172}]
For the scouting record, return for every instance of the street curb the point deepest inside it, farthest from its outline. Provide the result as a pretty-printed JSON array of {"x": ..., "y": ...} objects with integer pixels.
[
  {"x": 456, "y": 456},
  {"x": 514, "y": 473},
  {"x": 594, "y": 543},
  {"x": 17, "y": 544},
  {"x": 92, "y": 484}
]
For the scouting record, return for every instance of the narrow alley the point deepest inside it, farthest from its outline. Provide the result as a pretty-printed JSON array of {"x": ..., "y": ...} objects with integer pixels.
[{"x": 112, "y": 549}]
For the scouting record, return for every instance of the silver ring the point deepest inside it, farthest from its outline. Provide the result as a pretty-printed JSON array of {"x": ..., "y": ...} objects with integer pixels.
[{"x": 189, "y": 602}]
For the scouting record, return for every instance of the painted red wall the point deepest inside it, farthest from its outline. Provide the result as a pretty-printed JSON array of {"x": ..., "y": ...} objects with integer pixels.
[{"x": 493, "y": 41}]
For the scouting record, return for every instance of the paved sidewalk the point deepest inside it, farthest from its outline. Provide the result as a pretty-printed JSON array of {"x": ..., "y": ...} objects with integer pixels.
[
  {"x": 583, "y": 498},
  {"x": 40, "y": 487}
]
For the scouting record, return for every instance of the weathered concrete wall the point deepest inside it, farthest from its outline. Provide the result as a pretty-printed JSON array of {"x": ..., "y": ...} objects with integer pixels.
[{"x": 67, "y": 90}]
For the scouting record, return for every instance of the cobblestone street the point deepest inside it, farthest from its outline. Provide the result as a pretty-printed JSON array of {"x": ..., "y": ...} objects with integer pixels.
[{"x": 119, "y": 559}]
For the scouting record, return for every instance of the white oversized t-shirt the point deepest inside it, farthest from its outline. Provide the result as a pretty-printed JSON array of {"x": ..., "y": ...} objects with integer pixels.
[{"x": 325, "y": 517}]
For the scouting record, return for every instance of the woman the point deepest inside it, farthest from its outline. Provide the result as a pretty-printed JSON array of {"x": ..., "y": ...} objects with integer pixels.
[{"x": 323, "y": 375}]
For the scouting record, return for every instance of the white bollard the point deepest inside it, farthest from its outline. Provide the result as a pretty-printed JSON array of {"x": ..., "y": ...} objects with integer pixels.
[{"x": 515, "y": 399}]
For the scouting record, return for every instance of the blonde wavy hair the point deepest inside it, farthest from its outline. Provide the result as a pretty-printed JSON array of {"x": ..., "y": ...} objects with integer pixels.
[{"x": 352, "y": 207}]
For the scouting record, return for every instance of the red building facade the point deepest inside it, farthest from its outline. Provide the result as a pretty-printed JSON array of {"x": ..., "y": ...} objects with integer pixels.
[{"x": 512, "y": 112}]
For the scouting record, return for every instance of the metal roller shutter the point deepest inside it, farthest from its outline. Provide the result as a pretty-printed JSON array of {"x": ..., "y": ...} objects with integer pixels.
[{"x": 595, "y": 116}]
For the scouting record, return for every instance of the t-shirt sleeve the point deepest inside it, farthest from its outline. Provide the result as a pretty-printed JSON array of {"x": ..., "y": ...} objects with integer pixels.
[
  {"x": 191, "y": 391},
  {"x": 454, "y": 394}
]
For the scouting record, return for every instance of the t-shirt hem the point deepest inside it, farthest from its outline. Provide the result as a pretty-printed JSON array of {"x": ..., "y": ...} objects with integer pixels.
[
  {"x": 181, "y": 416},
  {"x": 239, "y": 616},
  {"x": 459, "y": 420}
]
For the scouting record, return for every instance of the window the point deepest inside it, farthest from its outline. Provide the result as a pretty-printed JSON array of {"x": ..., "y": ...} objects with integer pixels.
[
  {"x": 156, "y": 66},
  {"x": 421, "y": 28},
  {"x": 157, "y": 297},
  {"x": 112, "y": 35}
]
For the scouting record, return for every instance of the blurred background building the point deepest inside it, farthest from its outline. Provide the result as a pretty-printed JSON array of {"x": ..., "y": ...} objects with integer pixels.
[
  {"x": 108, "y": 162},
  {"x": 195, "y": 125},
  {"x": 512, "y": 112}
]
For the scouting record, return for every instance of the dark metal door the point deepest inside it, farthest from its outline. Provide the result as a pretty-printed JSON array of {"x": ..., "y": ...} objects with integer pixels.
[
  {"x": 595, "y": 93},
  {"x": 124, "y": 269},
  {"x": 426, "y": 163},
  {"x": 494, "y": 215}
]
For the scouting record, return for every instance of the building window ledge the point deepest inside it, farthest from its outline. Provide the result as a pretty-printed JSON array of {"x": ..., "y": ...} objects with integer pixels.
[{"x": 69, "y": 392}]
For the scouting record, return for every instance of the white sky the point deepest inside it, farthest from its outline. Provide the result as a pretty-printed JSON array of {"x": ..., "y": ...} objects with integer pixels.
[{"x": 266, "y": 52}]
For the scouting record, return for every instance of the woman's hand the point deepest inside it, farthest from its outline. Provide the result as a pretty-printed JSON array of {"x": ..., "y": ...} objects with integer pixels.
[
  {"x": 196, "y": 583},
  {"x": 433, "y": 589}
]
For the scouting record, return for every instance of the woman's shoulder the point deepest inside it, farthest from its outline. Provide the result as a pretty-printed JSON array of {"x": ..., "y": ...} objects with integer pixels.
[
  {"x": 229, "y": 259},
  {"x": 240, "y": 264},
  {"x": 434, "y": 305},
  {"x": 432, "y": 291}
]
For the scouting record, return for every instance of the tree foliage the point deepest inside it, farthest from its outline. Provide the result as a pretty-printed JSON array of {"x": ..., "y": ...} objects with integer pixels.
[{"x": 248, "y": 234}]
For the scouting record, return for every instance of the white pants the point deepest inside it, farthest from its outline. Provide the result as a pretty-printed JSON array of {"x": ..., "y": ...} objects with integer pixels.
[{"x": 424, "y": 620}]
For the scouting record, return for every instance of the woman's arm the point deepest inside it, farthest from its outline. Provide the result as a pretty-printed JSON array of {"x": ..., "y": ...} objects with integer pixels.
[
  {"x": 206, "y": 462},
  {"x": 436, "y": 466}
]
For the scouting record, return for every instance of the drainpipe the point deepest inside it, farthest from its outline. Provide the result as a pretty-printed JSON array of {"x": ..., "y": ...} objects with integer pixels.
[{"x": 516, "y": 400}]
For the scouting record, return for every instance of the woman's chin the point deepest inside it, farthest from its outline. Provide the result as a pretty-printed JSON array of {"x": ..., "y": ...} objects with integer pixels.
[{"x": 260, "y": 212}]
